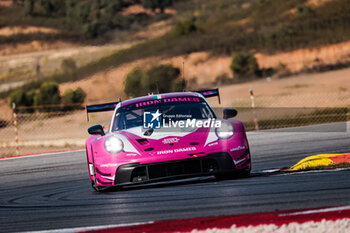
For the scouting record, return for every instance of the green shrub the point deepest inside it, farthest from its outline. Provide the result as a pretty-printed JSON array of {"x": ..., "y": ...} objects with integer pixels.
[
  {"x": 79, "y": 95},
  {"x": 94, "y": 29},
  {"x": 159, "y": 79},
  {"x": 244, "y": 65},
  {"x": 133, "y": 84},
  {"x": 18, "y": 97},
  {"x": 48, "y": 94},
  {"x": 186, "y": 27},
  {"x": 68, "y": 96},
  {"x": 22, "y": 99},
  {"x": 30, "y": 95},
  {"x": 76, "y": 96}
]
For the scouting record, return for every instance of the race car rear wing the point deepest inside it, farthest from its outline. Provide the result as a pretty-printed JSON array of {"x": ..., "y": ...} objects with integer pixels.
[
  {"x": 210, "y": 93},
  {"x": 111, "y": 106},
  {"x": 100, "y": 108}
]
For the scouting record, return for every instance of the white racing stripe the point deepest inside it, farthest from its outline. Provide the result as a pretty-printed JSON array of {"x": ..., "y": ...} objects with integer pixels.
[
  {"x": 325, "y": 210},
  {"x": 80, "y": 229}
]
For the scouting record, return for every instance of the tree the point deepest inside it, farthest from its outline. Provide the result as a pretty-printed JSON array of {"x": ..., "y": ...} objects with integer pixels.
[
  {"x": 178, "y": 85},
  {"x": 113, "y": 7},
  {"x": 133, "y": 85},
  {"x": 244, "y": 65},
  {"x": 59, "y": 7},
  {"x": 94, "y": 29},
  {"x": 80, "y": 11},
  {"x": 29, "y": 7},
  {"x": 159, "y": 79},
  {"x": 157, "y": 4},
  {"x": 46, "y": 7}
]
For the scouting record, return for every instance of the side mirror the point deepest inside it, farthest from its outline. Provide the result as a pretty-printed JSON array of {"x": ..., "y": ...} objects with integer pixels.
[
  {"x": 229, "y": 113},
  {"x": 96, "y": 130}
]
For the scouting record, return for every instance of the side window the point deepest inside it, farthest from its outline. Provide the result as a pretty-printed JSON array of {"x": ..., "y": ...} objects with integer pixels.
[
  {"x": 206, "y": 113},
  {"x": 119, "y": 122}
]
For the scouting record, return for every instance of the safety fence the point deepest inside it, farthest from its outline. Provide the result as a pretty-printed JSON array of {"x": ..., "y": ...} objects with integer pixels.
[
  {"x": 46, "y": 129},
  {"x": 57, "y": 128}
]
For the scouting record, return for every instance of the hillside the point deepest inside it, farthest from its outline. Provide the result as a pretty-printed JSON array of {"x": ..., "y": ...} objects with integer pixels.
[{"x": 314, "y": 32}]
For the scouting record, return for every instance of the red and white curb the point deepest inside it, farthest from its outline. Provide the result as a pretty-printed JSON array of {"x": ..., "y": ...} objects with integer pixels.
[
  {"x": 277, "y": 219},
  {"x": 330, "y": 219}
]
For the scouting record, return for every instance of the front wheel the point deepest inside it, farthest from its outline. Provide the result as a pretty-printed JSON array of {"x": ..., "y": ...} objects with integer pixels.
[
  {"x": 244, "y": 173},
  {"x": 233, "y": 175},
  {"x": 94, "y": 186}
]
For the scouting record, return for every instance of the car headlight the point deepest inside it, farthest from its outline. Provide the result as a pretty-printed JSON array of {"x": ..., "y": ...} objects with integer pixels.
[
  {"x": 113, "y": 145},
  {"x": 225, "y": 131}
]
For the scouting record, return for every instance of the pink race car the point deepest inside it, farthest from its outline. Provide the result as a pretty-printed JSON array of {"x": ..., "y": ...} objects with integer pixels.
[{"x": 163, "y": 137}]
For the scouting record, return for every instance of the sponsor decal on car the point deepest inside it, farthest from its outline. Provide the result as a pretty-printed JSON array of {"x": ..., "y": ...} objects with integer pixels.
[
  {"x": 170, "y": 140},
  {"x": 131, "y": 154},
  {"x": 213, "y": 144},
  {"x": 237, "y": 148},
  {"x": 164, "y": 152},
  {"x": 109, "y": 165},
  {"x": 168, "y": 100}
]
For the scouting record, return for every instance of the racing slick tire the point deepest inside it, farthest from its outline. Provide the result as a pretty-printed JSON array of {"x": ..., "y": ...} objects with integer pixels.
[
  {"x": 94, "y": 186},
  {"x": 233, "y": 175}
]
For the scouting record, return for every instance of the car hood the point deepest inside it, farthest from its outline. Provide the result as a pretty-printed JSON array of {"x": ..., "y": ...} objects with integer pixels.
[{"x": 166, "y": 141}]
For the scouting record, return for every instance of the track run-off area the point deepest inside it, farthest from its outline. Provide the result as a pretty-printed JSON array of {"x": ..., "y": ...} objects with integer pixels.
[{"x": 48, "y": 192}]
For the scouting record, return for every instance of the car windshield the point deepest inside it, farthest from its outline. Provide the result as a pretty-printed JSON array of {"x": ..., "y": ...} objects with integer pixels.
[{"x": 132, "y": 115}]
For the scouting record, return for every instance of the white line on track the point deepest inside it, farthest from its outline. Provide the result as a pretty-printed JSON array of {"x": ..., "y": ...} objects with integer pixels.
[
  {"x": 44, "y": 154},
  {"x": 80, "y": 229},
  {"x": 325, "y": 210}
]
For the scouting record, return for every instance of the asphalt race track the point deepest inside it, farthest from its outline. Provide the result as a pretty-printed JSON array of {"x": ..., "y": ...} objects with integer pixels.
[{"x": 54, "y": 192}]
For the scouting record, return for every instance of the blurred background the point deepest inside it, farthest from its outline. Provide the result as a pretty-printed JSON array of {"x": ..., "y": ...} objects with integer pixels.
[{"x": 281, "y": 63}]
